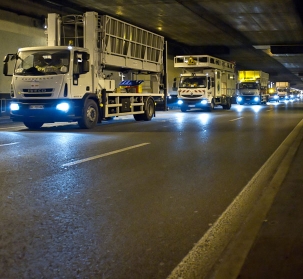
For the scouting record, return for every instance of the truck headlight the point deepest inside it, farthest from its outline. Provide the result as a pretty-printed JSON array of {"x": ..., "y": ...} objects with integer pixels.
[
  {"x": 276, "y": 97},
  {"x": 239, "y": 99},
  {"x": 256, "y": 99},
  {"x": 14, "y": 106},
  {"x": 180, "y": 102},
  {"x": 63, "y": 107},
  {"x": 204, "y": 102}
]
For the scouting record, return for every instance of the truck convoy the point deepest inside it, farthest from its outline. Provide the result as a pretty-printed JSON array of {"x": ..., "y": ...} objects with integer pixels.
[
  {"x": 94, "y": 67},
  {"x": 252, "y": 87},
  {"x": 205, "y": 82},
  {"x": 283, "y": 90}
]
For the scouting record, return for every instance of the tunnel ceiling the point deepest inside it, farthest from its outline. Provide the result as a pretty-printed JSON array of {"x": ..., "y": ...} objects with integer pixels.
[{"x": 257, "y": 35}]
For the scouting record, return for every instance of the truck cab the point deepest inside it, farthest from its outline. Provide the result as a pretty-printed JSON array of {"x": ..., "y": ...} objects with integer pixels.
[
  {"x": 252, "y": 87},
  {"x": 205, "y": 82}
]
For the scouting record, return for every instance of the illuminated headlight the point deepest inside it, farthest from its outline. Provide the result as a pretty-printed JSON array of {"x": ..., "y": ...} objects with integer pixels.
[
  {"x": 63, "y": 107},
  {"x": 204, "y": 102},
  {"x": 291, "y": 96},
  {"x": 239, "y": 99},
  {"x": 180, "y": 102},
  {"x": 14, "y": 106},
  {"x": 256, "y": 99},
  {"x": 276, "y": 97}
]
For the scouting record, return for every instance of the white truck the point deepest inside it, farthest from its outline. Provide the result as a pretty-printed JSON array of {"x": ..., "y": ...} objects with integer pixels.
[
  {"x": 205, "y": 82},
  {"x": 283, "y": 90},
  {"x": 93, "y": 67},
  {"x": 252, "y": 87}
]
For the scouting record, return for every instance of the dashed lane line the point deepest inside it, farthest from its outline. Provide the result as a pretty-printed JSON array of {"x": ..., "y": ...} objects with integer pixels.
[
  {"x": 104, "y": 155},
  {"x": 236, "y": 119},
  {"x": 12, "y": 143}
]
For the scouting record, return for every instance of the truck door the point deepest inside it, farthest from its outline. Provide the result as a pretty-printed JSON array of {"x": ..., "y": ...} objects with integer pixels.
[
  {"x": 218, "y": 84},
  {"x": 82, "y": 81}
]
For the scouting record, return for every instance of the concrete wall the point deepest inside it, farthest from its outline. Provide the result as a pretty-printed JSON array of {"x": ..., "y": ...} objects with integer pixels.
[{"x": 15, "y": 32}]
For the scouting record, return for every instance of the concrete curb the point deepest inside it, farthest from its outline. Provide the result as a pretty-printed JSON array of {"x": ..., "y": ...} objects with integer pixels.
[{"x": 202, "y": 258}]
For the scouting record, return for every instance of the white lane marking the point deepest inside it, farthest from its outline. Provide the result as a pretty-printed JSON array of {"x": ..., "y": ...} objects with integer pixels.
[
  {"x": 236, "y": 118},
  {"x": 199, "y": 261},
  {"x": 104, "y": 155},
  {"x": 5, "y": 144},
  {"x": 46, "y": 125},
  {"x": 12, "y": 127}
]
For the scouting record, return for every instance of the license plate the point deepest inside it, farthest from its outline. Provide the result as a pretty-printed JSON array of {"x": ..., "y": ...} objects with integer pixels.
[
  {"x": 36, "y": 107},
  {"x": 191, "y": 106}
]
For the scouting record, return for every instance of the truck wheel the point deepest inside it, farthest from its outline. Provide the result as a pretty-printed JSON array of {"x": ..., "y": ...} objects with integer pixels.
[
  {"x": 228, "y": 104},
  {"x": 90, "y": 115},
  {"x": 211, "y": 106},
  {"x": 149, "y": 110},
  {"x": 33, "y": 125}
]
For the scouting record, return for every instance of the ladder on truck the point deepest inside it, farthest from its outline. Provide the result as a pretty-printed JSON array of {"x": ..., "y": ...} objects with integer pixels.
[{"x": 203, "y": 61}]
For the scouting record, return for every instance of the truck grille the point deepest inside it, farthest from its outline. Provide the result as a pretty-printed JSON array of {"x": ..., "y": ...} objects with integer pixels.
[
  {"x": 191, "y": 96},
  {"x": 43, "y": 92}
]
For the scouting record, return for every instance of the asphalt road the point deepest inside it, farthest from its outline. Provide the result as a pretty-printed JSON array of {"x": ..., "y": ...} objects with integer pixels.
[{"x": 127, "y": 199}]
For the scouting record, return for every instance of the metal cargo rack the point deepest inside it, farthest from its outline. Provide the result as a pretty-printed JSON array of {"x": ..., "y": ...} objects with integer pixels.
[
  {"x": 129, "y": 45},
  {"x": 119, "y": 43},
  {"x": 203, "y": 61}
]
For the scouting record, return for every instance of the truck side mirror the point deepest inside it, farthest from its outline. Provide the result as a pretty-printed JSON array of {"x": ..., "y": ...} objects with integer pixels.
[
  {"x": 5, "y": 68},
  {"x": 174, "y": 88},
  {"x": 8, "y": 59},
  {"x": 76, "y": 73},
  {"x": 76, "y": 69},
  {"x": 85, "y": 67}
]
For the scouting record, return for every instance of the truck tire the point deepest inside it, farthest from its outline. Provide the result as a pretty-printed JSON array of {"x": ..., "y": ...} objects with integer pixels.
[
  {"x": 90, "y": 115},
  {"x": 33, "y": 125},
  {"x": 149, "y": 109},
  {"x": 212, "y": 106},
  {"x": 228, "y": 104}
]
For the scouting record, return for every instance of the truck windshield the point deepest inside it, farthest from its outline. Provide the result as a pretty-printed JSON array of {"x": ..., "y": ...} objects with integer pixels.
[
  {"x": 192, "y": 82},
  {"x": 36, "y": 63},
  {"x": 248, "y": 85}
]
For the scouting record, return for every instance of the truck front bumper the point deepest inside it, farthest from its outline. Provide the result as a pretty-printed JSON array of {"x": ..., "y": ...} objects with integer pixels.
[
  {"x": 248, "y": 100},
  {"x": 44, "y": 111},
  {"x": 194, "y": 103}
]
